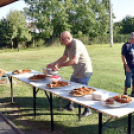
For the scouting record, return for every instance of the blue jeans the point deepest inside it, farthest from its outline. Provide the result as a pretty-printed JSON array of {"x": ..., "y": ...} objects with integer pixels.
[
  {"x": 129, "y": 76},
  {"x": 80, "y": 80}
]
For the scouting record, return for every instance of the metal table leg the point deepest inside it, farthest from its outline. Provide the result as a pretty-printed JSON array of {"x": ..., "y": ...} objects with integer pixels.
[
  {"x": 79, "y": 114},
  {"x": 11, "y": 85},
  {"x": 34, "y": 101},
  {"x": 129, "y": 123},
  {"x": 51, "y": 111},
  {"x": 60, "y": 103},
  {"x": 100, "y": 123}
]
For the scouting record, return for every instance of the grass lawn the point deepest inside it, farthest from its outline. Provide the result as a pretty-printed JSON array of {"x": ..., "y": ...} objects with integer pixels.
[{"x": 108, "y": 74}]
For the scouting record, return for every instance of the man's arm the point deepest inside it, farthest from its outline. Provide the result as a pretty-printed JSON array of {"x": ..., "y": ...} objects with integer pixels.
[
  {"x": 72, "y": 61},
  {"x": 125, "y": 63},
  {"x": 59, "y": 61}
]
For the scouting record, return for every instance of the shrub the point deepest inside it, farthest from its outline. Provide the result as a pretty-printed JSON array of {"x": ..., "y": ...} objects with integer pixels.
[
  {"x": 40, "y": 42},
  {"x": 120, "y": 38}
]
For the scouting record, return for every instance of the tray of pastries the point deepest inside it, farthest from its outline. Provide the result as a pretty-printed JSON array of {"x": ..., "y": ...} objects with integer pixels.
[
  {"x": 82, "y": 91},
  {"x": 57, "y": 84},
  {"x": 38, "y": 77},
  {"x": 21, "y": 71},
  {"x": 117, "y": 101}
]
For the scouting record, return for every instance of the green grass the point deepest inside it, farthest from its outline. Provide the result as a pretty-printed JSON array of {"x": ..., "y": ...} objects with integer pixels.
[{"x": 108, "y": 74}]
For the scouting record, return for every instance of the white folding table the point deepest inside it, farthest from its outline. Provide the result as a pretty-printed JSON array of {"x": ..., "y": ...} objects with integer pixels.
[{"x": 83, "y": 100}]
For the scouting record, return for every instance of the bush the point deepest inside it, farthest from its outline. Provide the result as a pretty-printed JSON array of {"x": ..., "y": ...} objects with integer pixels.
[
  {"x": 40, "y": 42},
  {"x": 120, "y": 38},
  {"x": 84, "y": 39}
]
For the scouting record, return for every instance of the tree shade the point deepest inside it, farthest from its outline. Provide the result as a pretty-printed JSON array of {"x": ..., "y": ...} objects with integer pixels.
[{"x": 6, "y": 2}]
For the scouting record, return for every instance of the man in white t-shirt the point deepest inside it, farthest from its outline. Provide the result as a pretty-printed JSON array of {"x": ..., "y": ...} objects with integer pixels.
[{"x": 79, "y": 59}]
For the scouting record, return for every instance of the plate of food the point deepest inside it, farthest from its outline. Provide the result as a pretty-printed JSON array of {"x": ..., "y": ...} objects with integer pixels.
[
  {"x": 81, "y": 91},
  {"x": 57, "y": 84},
  {"x": 38, "y": 77},
  {"x": 117, "y": 101},
  {"x": 21, "y": 71}
]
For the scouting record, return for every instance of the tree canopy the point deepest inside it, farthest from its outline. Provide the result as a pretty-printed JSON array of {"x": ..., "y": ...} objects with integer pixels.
[{"x": 89, "y": 17}]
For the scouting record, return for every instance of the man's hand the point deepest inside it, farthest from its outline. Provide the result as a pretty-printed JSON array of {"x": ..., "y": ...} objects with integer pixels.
[
  {"x": 127, "y": 69},
  {"x": 50, "y": 65},
  {"x": 56, "y": 67}
]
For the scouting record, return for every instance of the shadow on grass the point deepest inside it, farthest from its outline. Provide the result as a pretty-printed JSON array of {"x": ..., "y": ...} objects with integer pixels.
[
  {"x": 25, "y": 104},
  {"x": 23, "y": 107},
  {"x": 118, "y": 126}
]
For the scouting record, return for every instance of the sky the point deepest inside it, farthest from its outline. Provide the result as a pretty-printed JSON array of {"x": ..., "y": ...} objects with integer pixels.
[{"x": 120, "y": 8}]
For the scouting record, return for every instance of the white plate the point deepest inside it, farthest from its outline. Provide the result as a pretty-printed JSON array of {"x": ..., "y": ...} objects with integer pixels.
[{"x": 115, "y": 105}]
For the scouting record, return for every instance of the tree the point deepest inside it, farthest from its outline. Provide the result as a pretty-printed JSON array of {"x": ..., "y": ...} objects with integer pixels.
[
  {"x": 89, "y": 17},
  {"x": 127, "y": 25},
  {"x": 17, "y": 26},
  {"x": 49, "y": 16},
  {"x": 117, "y": 28}
]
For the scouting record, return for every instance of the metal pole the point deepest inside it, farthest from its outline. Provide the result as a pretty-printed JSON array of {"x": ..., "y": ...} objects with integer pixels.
[
  {"x": 11, "y": 85},
  {"x": 51, "y": 111},
  {"x": 60, "y": 103},
  {"x": 79, "y": 112},
  {"x": 100, "y": 123},
  {"x": 34, "y": 101},
  {"x": 129, "y": 123},
  {"x": 110, "y": 24}
]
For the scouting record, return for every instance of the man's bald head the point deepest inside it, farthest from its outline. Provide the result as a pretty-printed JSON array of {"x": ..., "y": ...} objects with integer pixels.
[
  {"x": 66, "y": 37},
  {"x": 66, "y": 34}
]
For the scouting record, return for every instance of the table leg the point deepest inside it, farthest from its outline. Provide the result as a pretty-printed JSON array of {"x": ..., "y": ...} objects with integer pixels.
[
  {"x": 60, "y": 103},
  {"x": 51, "y": 111},
  {"x": 34, "y": 101},
  {"x": 11, "y": 85},
  {"x": 129, "y": 123},
  {"x": 79, "y": 112},
  {"x": 100, "y": 123}
]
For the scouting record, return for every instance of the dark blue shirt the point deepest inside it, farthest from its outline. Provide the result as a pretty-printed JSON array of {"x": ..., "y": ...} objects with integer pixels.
[{"x": 128, "y": 52}]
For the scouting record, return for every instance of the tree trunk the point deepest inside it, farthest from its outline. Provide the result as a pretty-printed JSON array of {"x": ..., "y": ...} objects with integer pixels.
[
  {"x": 18, "y": 48},
  {"x": 12, "y": 44},
  {"x": 33, "y": 42},
  {"x": 18, "y": 45}
]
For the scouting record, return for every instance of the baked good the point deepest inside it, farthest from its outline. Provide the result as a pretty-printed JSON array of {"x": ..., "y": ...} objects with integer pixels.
[
  {"x": 38, "y": 77},
  {"x": 110, "y": 100},
  {"x": 122, "y": 98},
  {"x": 21, "y": 71},
  {"x": 82, "y": 91},
  {"x": 56, "y": 84},
  {"x": 118, "y": 98}
]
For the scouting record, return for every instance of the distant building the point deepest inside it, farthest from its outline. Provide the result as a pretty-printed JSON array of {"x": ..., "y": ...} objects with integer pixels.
[{"x": 34, "y": 28}]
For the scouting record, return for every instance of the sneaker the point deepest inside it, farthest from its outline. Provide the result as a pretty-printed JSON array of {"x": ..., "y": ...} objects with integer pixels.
[
  {"x": 69, "y": 107},
  {"x": 132, "y": 94},
  {"x": 86, "y": 112},
  {"x": 125, "y": 93}
]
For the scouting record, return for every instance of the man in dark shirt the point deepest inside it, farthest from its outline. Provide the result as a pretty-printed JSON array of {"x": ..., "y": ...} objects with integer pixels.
[{"x": 128, "y": 60}]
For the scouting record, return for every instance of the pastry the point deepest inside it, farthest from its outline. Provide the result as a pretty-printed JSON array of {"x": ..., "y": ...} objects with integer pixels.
[
  {"x": 82, "y": 91},
  {"x": 20, "y": 71}
]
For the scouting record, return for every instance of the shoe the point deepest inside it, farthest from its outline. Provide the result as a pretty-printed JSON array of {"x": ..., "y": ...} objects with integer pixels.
[
  {"x": 86, "y": 112},
  {"x": 132, "y": 94},
  {"x": 69, "y": 107},
  {"x": 125, "y": 93}
]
